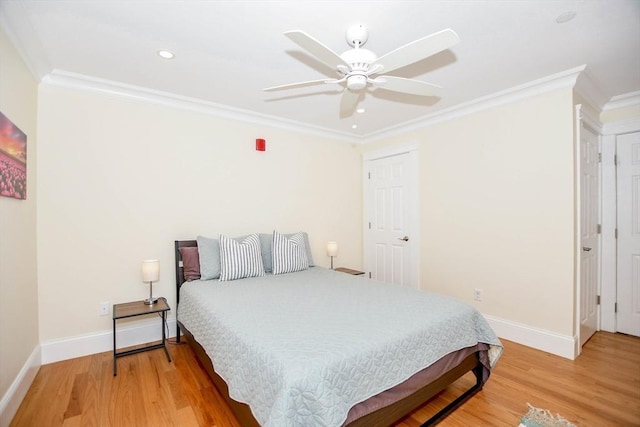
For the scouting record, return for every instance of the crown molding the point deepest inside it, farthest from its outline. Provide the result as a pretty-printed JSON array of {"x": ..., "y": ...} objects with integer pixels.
[
  {"x": 621, "y": 101},
  {"x": 565, "y": 79},
  {"x": 69, "y": 80},
  {"x": 65, "y": 79},
  {"x": 590, "y": 91}
]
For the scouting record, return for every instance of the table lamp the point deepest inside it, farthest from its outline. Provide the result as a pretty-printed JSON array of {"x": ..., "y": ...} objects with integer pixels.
[
  {"x": 332, "y": 251},
  {"x": 150, "y": 273}
]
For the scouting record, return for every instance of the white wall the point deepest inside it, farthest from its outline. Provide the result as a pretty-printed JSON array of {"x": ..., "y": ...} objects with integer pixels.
[
  {"x": 121, "y": 180},
  {"x": 497, "y": 211},
  {"x": 19, "y": 357}
]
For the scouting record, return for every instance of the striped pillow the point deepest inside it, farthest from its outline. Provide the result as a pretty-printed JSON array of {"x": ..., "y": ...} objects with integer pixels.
[
  {"x": 240, "y": 259},
  {"x": 289, "y": 254}
]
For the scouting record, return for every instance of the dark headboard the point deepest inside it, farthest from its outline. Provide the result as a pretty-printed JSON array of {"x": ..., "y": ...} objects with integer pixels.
[
  {"x": 180, "y": 273},
  {"x": 178, "y": 260}
]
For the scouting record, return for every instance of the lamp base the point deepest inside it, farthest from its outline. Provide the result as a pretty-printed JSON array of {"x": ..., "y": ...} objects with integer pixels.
[{"x": 150, "y": 301}]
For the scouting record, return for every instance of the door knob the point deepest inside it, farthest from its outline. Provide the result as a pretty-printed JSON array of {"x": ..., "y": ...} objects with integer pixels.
[
  {"x": 405, "y": 238},
  {"x": 586, "y": 249}
]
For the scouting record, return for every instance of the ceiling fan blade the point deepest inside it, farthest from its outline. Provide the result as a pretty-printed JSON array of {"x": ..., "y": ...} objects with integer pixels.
[
  {"x": 400, "y": 84},
  {"x": 348, "y": 103},
  {"x": 300, "y": 84},
  {"x": 417, "y": 50},
  {"x": 316, "y": 48}
]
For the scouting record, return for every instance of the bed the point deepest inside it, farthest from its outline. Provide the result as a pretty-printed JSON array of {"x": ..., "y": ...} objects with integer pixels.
[{"x": 284, "y": 350}]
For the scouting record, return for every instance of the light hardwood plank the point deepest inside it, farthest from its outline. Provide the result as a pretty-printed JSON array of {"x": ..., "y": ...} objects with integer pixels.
[{"x": 600, "y": 388}]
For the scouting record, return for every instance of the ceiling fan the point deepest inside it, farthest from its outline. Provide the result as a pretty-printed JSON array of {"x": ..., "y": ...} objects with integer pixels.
[{"x": 357, "y": 67}]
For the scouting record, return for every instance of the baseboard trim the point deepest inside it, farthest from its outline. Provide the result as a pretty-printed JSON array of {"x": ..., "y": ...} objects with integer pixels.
[
  {"x": 135, "y": 333},
  {"x": 551, "y": 342},
  {"x": 147, "y": 331},
  {"x": 18, "y": 390}
]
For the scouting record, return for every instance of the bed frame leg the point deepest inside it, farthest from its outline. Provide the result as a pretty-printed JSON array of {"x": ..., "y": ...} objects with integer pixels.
[{"x": 477, "y": 371}]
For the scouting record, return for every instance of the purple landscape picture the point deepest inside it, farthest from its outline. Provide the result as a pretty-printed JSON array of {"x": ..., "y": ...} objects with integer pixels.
[{"x": 13, "y": 160}]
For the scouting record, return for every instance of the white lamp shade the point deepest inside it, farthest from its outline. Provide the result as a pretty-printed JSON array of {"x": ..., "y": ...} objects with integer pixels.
[
  {"x": 332, "y": 249},
  {"x": 150, "y": 270}
]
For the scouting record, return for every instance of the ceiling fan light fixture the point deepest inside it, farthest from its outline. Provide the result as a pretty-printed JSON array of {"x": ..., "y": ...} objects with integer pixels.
[{"x": 356, "y": 82}]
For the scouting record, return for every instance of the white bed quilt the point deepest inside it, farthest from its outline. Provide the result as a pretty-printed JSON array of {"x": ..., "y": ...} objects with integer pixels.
[{"x": 303, "y": 348}]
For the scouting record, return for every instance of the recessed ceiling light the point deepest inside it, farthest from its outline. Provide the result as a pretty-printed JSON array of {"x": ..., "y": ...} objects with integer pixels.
[
  {"x": 565, "y": 17},
  {"x": 360, "y": 110},
  {"x": 166, "y": 54},
  {"x": 354, "y": 127}
]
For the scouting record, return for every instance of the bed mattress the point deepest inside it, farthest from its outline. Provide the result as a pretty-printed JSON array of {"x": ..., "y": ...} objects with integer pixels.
[{"x": 301, "y": 349}]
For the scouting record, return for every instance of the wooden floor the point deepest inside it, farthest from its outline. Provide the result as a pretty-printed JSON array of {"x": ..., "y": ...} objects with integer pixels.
[{"x": 600, "y": 388}]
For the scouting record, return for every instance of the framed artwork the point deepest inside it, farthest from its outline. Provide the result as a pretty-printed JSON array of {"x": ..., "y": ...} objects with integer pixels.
[{"x": 13, "y": 160}]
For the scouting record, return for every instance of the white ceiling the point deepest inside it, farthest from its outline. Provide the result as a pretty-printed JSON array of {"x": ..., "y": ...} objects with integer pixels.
[{"x": 228, "y": 51}]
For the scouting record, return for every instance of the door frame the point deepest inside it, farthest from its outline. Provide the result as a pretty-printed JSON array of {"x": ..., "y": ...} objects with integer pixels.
[{"x": 414, "y": 204}]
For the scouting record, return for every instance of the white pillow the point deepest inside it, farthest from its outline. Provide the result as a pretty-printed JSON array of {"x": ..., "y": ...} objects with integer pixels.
[
  {"x": 289, "y": 253},
  {"x": 240, "y": 259}
]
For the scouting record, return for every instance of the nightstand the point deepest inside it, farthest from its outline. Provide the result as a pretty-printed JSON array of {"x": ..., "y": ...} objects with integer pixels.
[
  {"x": 139, "y": 308},
  {"x": 350, "y": 271}
]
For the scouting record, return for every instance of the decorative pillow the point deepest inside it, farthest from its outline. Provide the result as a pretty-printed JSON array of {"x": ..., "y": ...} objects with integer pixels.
[
  {"x": 267, "y": 241},
  {"x": 240, "y": 259},
  {"x": 289, "y": 254},
  {"x": 209, "y": 257},
  {"x": 190, "y": 263}
]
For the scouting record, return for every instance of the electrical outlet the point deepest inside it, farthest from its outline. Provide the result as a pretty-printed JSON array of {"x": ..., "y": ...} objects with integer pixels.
[
  {"x": 477, "y": 294},
  {"x": 104, "y": 308}
]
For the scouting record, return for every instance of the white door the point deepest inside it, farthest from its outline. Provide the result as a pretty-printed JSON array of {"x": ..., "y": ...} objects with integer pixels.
[
  {"x": 589, "y": 196},
  {"x": 389, "y": 239},
  {"x": 628, "y": 180}
]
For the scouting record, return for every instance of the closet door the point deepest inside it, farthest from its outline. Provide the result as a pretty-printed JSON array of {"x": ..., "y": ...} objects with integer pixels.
[{"x": 628, "y": 224}]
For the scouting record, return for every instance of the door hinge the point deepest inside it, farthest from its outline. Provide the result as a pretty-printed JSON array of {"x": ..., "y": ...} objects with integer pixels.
[
  {"x": 615, "y": 307},
  {"x": 597, "y": 299},
  {"x": 369, "y": 275},
  {"x": 369, "y": 225},
  {"x": 616, "y": 233},
  {"x": 369, "y": 175},
  {"x": 599, "y": 228},
  {"x": 615, "y": 160},
  {"x": 599, "y": 157}
]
